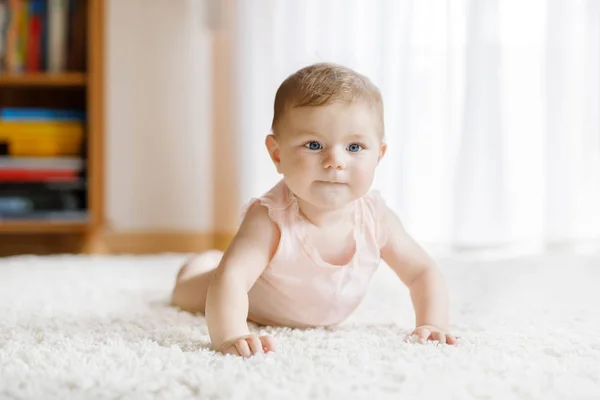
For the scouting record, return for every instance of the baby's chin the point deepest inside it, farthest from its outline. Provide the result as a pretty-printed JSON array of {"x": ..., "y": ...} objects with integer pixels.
[
  {"x": 331, "y": 196},
  {"x": 327, "y": 196}
]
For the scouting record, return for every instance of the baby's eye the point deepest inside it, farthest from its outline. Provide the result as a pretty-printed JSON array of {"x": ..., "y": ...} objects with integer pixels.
[
  {"x": 313, "y": 145},
  {"x": 354, "y": 148}
]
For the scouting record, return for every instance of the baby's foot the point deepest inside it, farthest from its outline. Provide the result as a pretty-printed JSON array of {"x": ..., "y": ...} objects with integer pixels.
[{"x": 199, "y": 264}]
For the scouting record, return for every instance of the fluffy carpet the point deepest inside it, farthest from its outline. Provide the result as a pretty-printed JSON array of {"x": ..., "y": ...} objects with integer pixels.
[{"x": 100, "y": 328}]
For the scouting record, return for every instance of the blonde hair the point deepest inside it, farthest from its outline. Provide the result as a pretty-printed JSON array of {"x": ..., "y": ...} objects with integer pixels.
[{"x": 322, "y": 84}]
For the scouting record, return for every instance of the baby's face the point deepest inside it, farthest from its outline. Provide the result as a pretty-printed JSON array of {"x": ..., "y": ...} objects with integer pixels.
[{"x": 328, "y": 154}]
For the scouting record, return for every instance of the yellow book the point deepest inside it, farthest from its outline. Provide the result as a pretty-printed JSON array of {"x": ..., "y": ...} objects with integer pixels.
[{"x": 42, "y": 139}]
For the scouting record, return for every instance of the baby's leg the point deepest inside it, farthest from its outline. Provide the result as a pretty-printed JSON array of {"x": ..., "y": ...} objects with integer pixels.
[{"x": 192, "y": 282}]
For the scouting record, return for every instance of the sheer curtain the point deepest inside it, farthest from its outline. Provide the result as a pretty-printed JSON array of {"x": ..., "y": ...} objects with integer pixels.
[{"x": 492, "y": 108}]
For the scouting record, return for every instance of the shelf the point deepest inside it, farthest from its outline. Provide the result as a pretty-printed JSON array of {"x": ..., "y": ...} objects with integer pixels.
[
  {"x": 82, "y": 88},
  {"x": 44, "y": 226},
  {"x": 43, "y": 79}
]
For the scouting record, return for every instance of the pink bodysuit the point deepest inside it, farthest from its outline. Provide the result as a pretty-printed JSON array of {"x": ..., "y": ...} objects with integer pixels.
[{"x": 298, "y": 288}]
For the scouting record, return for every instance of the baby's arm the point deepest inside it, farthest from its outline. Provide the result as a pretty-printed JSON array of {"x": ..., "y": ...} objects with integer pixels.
[
  {"x": 227, "y": 299},
  {"x": 422, "y": 277}
]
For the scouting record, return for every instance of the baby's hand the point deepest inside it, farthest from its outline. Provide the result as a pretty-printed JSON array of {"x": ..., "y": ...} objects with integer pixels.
[
  {"x": 430, "y": 332},
  {"x": 248, "y": 345}
]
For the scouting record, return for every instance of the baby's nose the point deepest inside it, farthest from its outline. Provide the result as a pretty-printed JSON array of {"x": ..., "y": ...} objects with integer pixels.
[{"x": 334, "y": 159}]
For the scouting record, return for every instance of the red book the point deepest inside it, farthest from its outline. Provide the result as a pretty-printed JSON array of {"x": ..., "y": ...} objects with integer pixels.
[
  {"x": 28, "y": 175},
  {"x": 33, "y": 57}
]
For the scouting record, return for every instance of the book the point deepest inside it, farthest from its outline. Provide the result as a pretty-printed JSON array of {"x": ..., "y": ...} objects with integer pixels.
[
  {"x": 4, "y": 19},
  {"x": 57, "y": 35},
  {"x": 40, "y": 114},
  {"x": 42, "y": 163},
  {"x": 31, "y": 175},
  {"x": 47, "y": 216},
  {"x": 77, "y": 36},
  {"x": 41, "y": 139},
  {"x": 22, "y": 33},
  {"x": 21, "y": 199},
  {"x": 12, "y": 58},
  {"x": 43, "y": 35},
  {"x": 35, "y": 26}
]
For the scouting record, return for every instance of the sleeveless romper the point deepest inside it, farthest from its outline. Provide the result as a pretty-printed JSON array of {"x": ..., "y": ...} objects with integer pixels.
[{"x": 298, "y": 288}]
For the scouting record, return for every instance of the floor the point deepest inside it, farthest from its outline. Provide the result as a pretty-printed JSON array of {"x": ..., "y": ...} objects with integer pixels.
[{"x": 100, "y": 328}]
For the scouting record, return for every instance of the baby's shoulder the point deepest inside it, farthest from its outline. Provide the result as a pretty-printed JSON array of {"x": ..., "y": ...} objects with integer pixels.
[
  {"x": 278, "y": 197},
  {"x": 376, "y": 215},
  {"x": 273, "y": 204},
  {"x": 257, "y": 232}
]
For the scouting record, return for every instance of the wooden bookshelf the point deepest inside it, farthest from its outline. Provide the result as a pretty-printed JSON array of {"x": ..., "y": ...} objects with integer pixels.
[
  {"x": 43, "y": 227},
  {"x": 82, "y": 89},
  {"x": 43, "y": 79}
]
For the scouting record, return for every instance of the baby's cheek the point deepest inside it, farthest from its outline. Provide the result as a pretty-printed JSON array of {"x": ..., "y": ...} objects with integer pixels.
[
  {"x": 297, "y": 170},
  {"x": 364, "y": 174},
  {"x": 300, "y": 164}
]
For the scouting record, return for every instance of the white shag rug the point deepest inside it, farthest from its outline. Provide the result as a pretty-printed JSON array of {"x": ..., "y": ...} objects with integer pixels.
[{"x": 100, "y": 328}]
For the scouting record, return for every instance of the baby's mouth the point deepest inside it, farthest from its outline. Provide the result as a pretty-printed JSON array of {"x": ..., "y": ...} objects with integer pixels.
[{"x": 332, "y": 182}]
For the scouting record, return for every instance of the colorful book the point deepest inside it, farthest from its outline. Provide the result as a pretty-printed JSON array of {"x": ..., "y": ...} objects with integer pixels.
[
  {"x": 36, "y": 22},
  {"x": 28, "y": 175},
  {"x": 41, "y": 139},
  {"x": 40, "y": 114},
  {"x": 43, "y": 35}
]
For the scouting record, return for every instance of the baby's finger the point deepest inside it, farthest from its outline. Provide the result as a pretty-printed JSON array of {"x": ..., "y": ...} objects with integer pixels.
[
  {"x": 255, "y": 345},
  {"x": 424, "y": 335},
  {"x": 242, "y": 348},
  {"x": 439, "y": 336},
  {"x": 230, "y": 350},
  {"x": 451, "y": 340},
  {"x": 268, "y": 343}
]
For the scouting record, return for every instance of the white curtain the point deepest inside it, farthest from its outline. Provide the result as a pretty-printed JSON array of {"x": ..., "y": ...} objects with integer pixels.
[{"x": 492, "y": 108}]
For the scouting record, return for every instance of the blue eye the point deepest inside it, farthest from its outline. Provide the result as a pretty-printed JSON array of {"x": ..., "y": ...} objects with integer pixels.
[
  {"x": 313, "y": 145},
  {"x": 354, "y": 148}
]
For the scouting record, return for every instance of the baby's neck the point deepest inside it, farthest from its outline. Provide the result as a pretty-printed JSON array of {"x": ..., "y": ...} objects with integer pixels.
[{"x": 326, "y": 218}]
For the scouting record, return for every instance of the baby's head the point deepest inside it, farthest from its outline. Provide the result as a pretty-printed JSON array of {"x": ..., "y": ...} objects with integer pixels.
[{"x": 327, "y": 134}]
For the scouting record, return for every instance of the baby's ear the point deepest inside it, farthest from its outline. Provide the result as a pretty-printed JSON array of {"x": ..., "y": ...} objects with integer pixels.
[
  {"x": 382, "y": 151},
  {"x": 273, "y": 149}
]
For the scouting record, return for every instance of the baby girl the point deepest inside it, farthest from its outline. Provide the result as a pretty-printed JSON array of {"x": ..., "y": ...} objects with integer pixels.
[{"x": 306, "y": 250}]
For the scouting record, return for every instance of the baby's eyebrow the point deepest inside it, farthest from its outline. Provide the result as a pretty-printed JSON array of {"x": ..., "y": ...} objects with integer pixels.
[
  {"x": 304, "y": 132},
  {"x": 357, "y": 136},
  {"x": 301, "y": 133}
]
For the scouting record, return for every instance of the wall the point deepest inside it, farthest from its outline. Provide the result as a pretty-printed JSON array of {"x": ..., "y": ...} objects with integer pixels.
[{"x": 158, "y": 117}]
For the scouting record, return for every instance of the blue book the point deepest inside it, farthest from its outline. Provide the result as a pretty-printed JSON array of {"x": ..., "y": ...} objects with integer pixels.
[
  {"x": 44, "y": 33},
  {"x": 40, "y": 114}
]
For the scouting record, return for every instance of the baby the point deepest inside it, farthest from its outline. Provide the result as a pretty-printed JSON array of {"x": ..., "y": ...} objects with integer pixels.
[{"x": 306, "y": 250}]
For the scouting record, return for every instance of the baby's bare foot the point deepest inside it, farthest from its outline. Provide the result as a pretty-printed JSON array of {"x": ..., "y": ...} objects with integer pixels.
[{"x": 199, "y": 264}]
